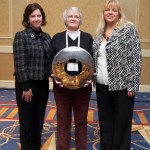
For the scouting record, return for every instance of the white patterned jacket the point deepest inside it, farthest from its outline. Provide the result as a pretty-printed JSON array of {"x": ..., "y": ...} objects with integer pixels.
[{"x": 123, "y": 53}]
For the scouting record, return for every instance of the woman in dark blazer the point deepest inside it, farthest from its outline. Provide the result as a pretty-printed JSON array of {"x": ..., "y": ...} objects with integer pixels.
[{"x": 31, "y": 53}]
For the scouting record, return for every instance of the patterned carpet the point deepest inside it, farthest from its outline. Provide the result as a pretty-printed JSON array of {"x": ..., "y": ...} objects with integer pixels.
[{"x": 9, "y": 126}]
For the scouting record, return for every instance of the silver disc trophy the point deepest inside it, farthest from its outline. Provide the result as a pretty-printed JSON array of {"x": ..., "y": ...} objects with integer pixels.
[{"x": 73, "y": 66}]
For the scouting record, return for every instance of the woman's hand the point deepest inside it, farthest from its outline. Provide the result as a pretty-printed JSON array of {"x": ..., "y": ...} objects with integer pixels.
[
  {"x": 57, "y": 82},
  {"x": 131, "y": 94},
  {"x": 87, "y": 83},
  {"x": 27, "y": 95}
]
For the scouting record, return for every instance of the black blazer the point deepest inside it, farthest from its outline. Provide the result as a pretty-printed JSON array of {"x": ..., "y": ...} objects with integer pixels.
[{"x": 31, "y": 55}]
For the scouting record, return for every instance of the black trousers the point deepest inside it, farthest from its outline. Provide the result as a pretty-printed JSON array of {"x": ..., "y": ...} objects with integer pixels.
[
  {"x": 115, "y": 111},
  {"x": 31, "y": 114}
]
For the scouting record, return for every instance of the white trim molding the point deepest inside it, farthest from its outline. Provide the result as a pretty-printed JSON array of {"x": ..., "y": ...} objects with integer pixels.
[
  {"x": 6, "y": 49},
  {"x": 10, "y": 84},
  {"x": 145, "y": 53},
  {"x": 144, "y": 88},
  {"x": 145, "y": 40},
  {"x": 7, "y": 84}
]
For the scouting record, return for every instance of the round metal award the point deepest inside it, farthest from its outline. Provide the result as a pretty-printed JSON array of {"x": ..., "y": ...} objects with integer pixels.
[{"x": 73, "y": 66}]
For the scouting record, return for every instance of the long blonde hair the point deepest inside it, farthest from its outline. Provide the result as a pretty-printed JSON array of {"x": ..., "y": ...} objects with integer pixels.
[{"x": 102, "y": 24}]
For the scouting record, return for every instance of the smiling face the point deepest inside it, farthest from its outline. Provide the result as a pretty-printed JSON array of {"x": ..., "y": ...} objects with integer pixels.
[
  {"x": 35, "y": 19},
  {"x": 111, "y": 13},
  {"x": 73, "y": 21}
]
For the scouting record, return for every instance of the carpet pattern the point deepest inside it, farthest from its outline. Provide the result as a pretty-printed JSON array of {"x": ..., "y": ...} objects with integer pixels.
[{"x": 9, "y": 126}]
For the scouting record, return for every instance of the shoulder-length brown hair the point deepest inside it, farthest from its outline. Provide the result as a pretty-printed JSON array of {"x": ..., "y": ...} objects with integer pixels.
[{"x": 28, "y": 11}]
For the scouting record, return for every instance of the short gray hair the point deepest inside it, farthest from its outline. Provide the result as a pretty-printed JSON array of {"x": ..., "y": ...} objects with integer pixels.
[{"x": 74, "y": 9}]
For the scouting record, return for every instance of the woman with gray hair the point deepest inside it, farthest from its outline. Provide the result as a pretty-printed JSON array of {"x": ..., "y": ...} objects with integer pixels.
[{"x": 68, "y": 100}]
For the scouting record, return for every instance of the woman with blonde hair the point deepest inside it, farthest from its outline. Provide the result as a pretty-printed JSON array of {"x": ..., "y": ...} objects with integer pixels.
[{"x": 117, "y": 54}]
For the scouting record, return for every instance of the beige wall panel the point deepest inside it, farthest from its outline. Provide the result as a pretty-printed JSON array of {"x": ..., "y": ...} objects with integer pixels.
[
  {"x": 130, "y": 8},
  {"x": 5, "y": 41},
  {"x": 144, "y": 21},
  {"x": 11, "y": 14},
  {"x": 6, "y": 67},
  {"x": 145, "y": 45},
  {"x": 18, "y": 7},
  {"x": 54, "y": 10},
  {"x": 4, "y": 18},
  {"x": 136, "y": 11},
  {"x": 145, "y": 78}
]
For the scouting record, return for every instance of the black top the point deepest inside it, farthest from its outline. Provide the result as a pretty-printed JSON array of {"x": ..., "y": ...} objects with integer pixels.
[{"x": 58, "y": 43}]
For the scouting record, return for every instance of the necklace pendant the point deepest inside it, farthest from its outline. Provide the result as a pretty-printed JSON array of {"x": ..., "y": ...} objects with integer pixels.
[{"x": 105, "y": 37}]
